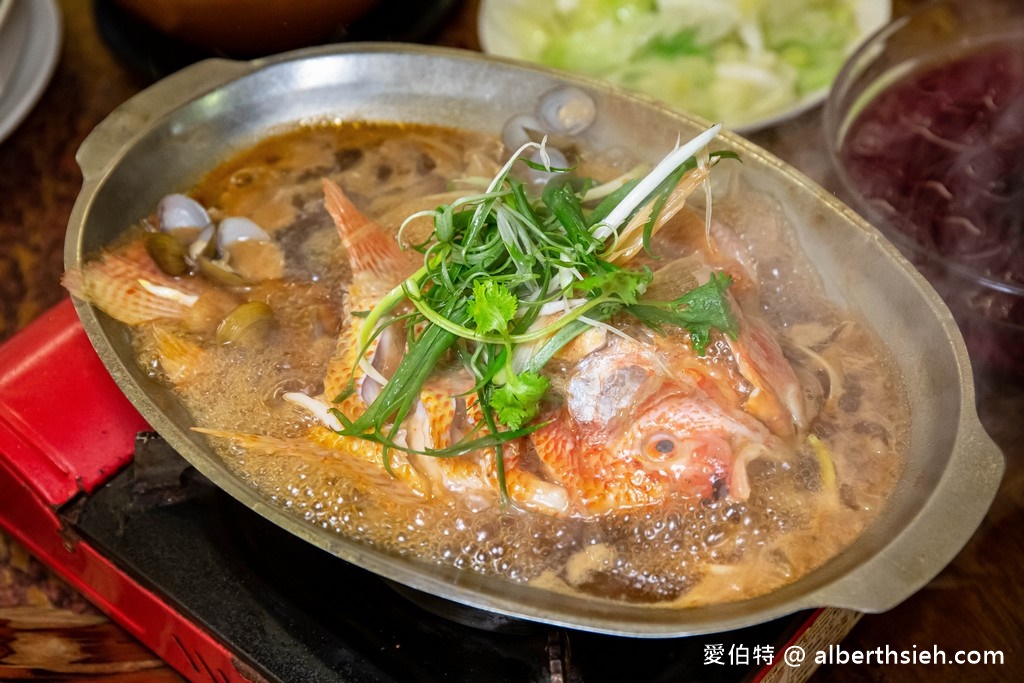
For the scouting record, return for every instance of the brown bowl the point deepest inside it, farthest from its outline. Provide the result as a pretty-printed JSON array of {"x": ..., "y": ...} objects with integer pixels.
[{"x": 246, "y": 28}]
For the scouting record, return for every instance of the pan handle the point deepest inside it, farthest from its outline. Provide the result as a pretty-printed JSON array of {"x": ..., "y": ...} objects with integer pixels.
[
  {"x": 934, "y": 536},
  {"x": 99, "y": 150}
]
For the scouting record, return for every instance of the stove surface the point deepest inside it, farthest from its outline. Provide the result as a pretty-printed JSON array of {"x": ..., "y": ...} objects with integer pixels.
[{"x": 290, "y": 611}]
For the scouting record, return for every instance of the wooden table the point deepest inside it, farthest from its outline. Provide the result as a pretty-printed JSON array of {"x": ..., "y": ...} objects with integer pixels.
[{"x": 49, "y": 632}]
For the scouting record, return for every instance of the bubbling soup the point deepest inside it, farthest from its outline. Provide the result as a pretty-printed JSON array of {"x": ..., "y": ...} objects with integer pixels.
[{"x": 663, "y": 465}]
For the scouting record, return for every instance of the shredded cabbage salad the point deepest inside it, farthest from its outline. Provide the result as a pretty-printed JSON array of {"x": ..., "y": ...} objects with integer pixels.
[{"x": 728, "y": 60}]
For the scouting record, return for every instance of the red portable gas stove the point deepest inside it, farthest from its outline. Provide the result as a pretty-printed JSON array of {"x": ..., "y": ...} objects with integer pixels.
[{"x": 222, "y": 595}]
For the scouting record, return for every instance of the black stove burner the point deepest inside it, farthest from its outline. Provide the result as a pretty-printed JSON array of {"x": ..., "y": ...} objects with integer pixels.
[
  {"x": 293, "y": 612},
  {"x": 152, "y": 55}
]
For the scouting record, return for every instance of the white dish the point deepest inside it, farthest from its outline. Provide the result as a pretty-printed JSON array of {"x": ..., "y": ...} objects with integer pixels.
[
  {"x": 39, "y": 21},
  {"x": 516, "y": 29}
]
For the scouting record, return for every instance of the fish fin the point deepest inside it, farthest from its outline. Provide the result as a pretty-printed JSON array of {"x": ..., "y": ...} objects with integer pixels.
[
  {"x": 371, "y": 249},
  {"x": 129, "y": 287},
  {"x": 534, "y": 493},
  {"x": 358, "y": 460},
  {"x": 263, "y": 444},
  {"x": 370, "y": 454},
  {"x": 179, "y": 356},
  {"x": 777, "y": 398}
]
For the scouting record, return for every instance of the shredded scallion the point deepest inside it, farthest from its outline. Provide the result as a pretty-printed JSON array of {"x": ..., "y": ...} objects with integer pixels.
[{"x": 503, "y": 269}]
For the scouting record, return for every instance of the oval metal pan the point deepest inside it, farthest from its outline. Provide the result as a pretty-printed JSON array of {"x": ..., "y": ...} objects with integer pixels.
[{"x": 165, "y": 138}]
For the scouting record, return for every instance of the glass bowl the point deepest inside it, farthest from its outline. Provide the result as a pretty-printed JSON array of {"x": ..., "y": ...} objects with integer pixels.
[
  {"x": 925, "y": 130},
  {"x": 248, "y": 28}
]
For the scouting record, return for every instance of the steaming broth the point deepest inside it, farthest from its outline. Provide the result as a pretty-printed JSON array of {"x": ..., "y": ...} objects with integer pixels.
[{"x": 685, "y": 552}]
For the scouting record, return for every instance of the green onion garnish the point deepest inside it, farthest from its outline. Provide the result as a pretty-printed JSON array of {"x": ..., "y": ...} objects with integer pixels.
[{"x": 496, "y": 267}]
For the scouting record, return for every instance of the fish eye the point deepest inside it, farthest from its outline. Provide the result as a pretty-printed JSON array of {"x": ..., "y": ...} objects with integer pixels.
[{"x": 661, "y": 445}]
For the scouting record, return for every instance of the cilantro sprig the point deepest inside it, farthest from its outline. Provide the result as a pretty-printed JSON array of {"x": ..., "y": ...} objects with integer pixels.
[
  {"x": 699, "y": 311},
  {"x": 503, "y": 271},
  {"x": 516, "y": 399}
]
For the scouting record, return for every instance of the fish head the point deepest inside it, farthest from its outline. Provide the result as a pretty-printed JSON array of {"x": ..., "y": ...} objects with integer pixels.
[
  {"x": 631, "y": 434},
  {"x": 679, "y": 440}
]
